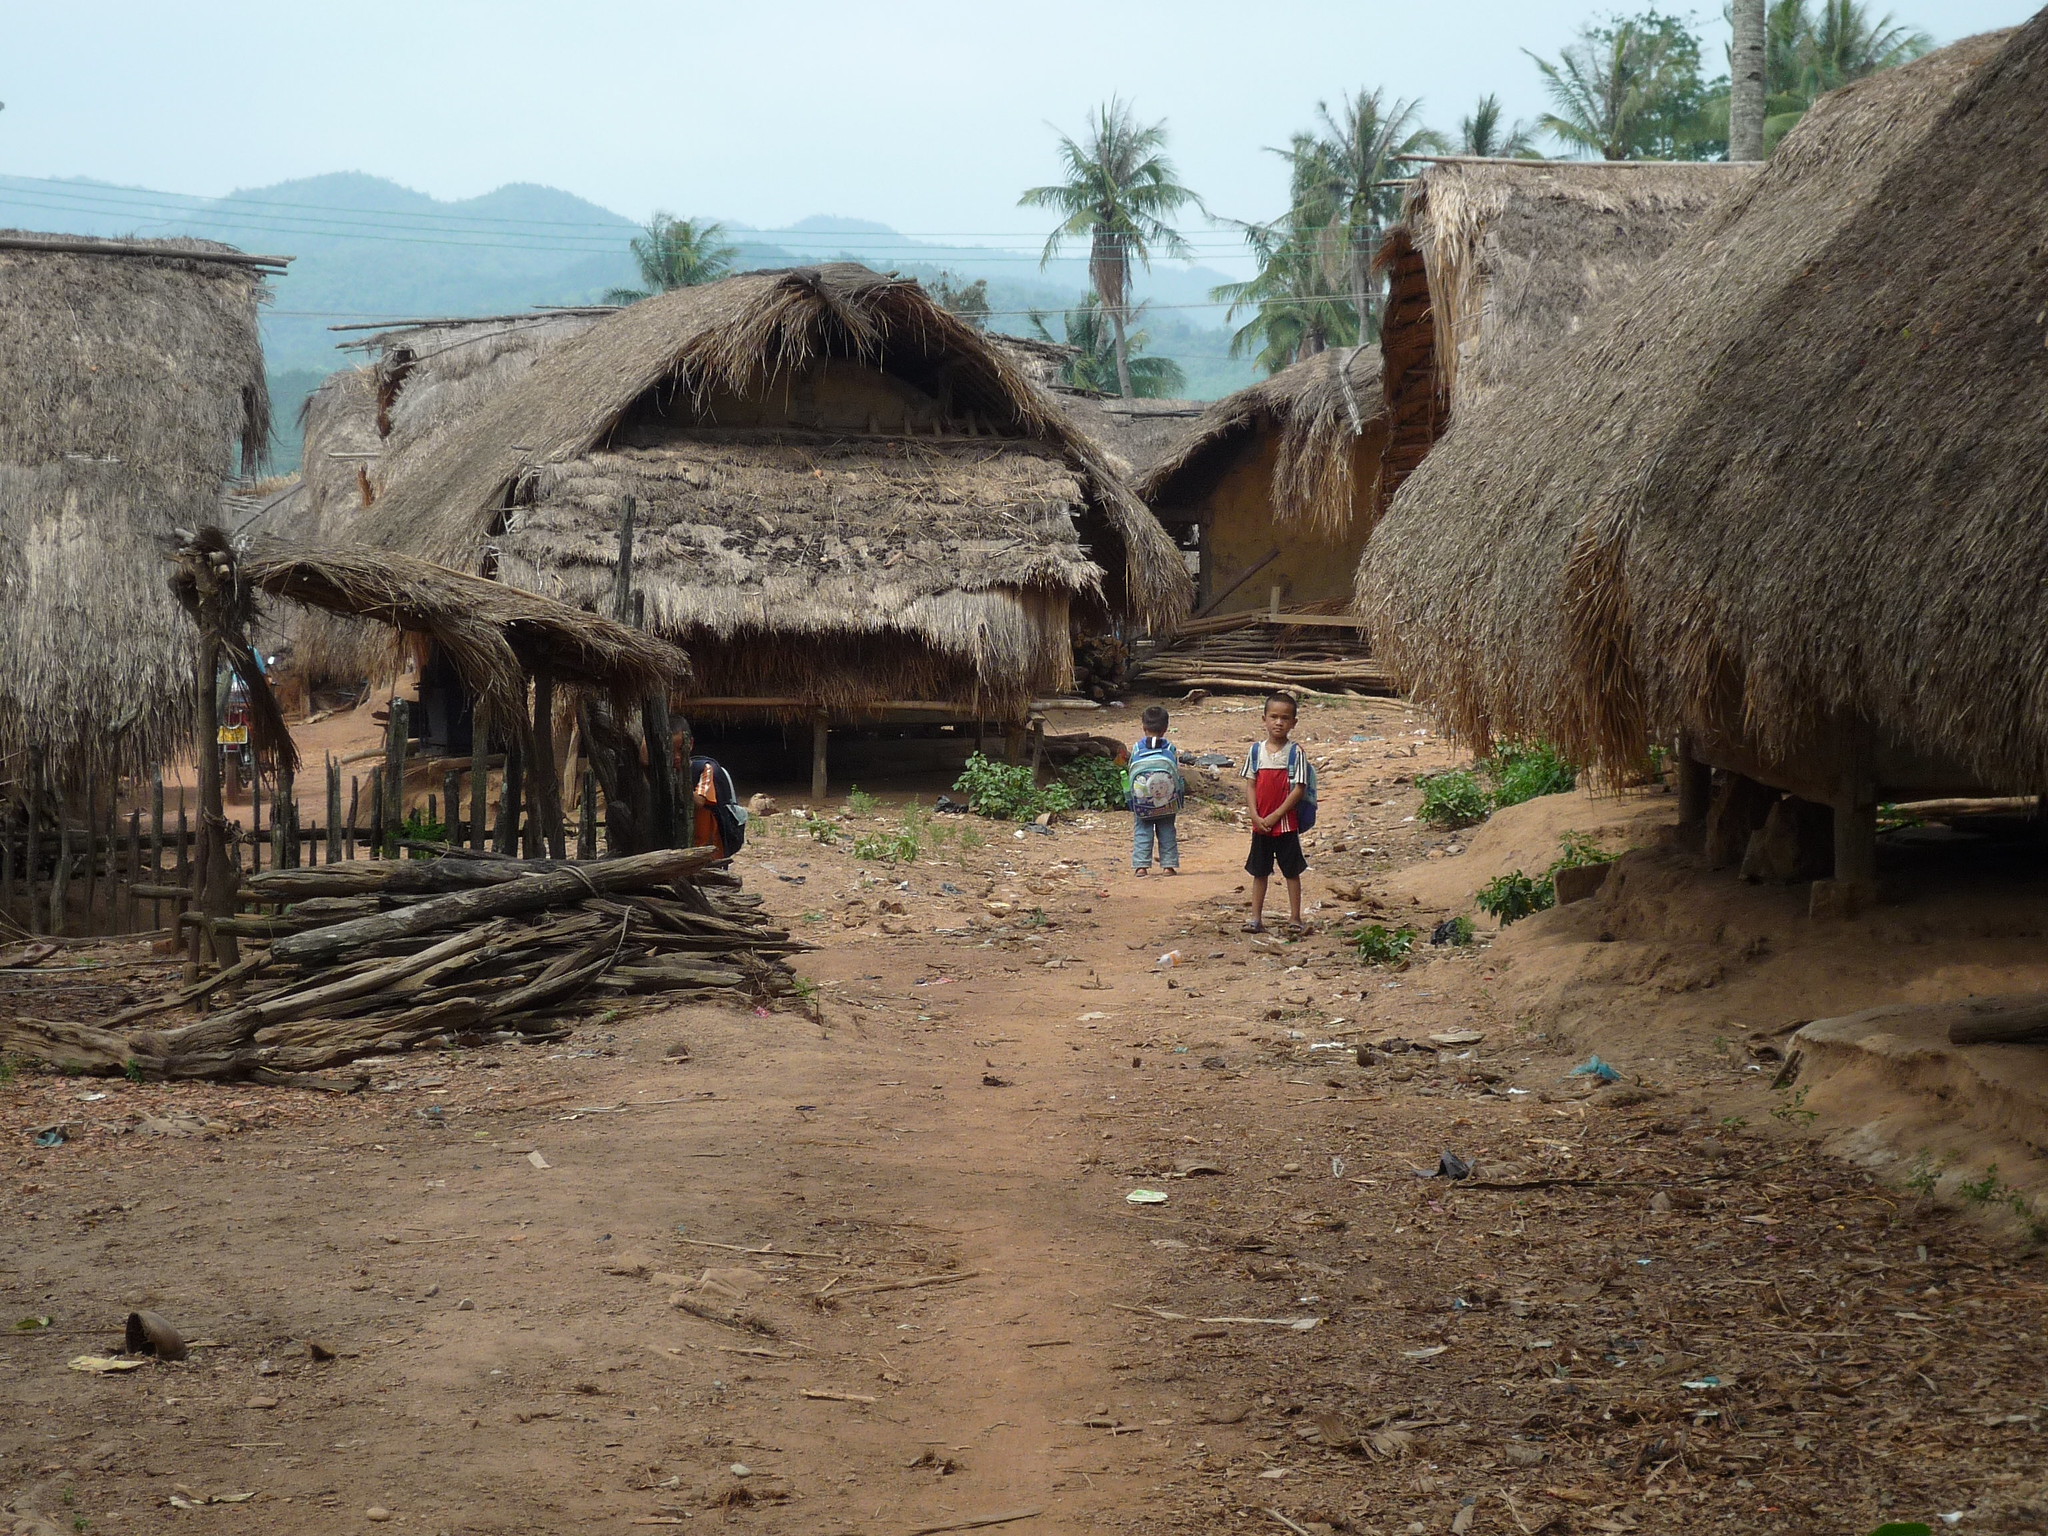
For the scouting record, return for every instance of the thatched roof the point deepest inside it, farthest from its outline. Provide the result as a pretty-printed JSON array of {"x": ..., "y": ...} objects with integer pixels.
[
  {"x": 129, "y": 377},
  {"x": 1138, "y": 433},
  {"x": 1794, "y": 489},
  {"x": 1320, "y": 406},
  {"x": 964, "y": 537},
  {"x": 495, "y": 635},
  {"x": 1495, "y": 260}
]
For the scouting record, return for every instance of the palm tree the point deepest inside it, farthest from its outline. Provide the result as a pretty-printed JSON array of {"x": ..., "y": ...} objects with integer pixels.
[
  {"x": 1296, "y": 312},
  {"x": 676, "y": 253},
  {"x": 1811, "y": 51},
  {"x": 1749, "y": 78},
  {"x": 1346, "y": 176},
  {"x": 1106, "y": 360},
  {"x": 1603, "y": 89},
  {"x": 1481, "y": 134},
  {"x": 1119, "y": 192}
]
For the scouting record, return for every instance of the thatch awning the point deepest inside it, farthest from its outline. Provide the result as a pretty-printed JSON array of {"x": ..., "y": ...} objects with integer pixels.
[
  {"x": 1496, "y": 260},
  {"x": 1320, "y": 406},
  {"x": 1011, "y": 502},
  {"x": 129, "y": 378},
  {"x": 496, "y": 636},
  {"x": 1792, "y": 495}
]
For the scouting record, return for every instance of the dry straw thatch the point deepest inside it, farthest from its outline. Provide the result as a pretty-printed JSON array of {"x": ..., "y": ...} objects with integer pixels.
[
  {"x": 1320, "y": 406},
  {"x": 128, "y": 378},
  {"x": 1790, "y": 500},
  {"x": 496, "y": 636},
  {"x": 1495, "y": 260},
  {"x": 935, "y": 552}
]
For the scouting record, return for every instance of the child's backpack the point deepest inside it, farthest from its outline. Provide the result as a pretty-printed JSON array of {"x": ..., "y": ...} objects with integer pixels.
[
  {"x": 730, "y": 814},
  {"x": 1305, "y": 808},
  {"x": 1156, "y": 787},
  {"x": 1305, "y": 812}
]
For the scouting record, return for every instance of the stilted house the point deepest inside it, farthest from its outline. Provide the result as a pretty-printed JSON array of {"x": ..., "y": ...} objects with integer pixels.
[
  {"x": 846, "y": 504},
  {"x": 1781, "y": 505},
  {"x": 1495, "y": 260},
  {"x": 131, "y": 390}
]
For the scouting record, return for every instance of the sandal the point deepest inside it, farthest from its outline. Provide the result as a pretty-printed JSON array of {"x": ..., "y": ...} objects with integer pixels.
[
  {"x": 1141, "y": 873},
  {"x": 1169, "y": 869},
  {"x": 1254, "y": 926}
]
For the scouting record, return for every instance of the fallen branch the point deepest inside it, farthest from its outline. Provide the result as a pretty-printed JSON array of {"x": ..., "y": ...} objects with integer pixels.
[
  {"x": 910, "y": 1285},
  {"x": 975, "y": 1525}
]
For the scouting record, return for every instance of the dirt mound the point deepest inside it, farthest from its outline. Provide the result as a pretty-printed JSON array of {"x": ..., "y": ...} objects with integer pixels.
[{"x": 1526, "y": 837}]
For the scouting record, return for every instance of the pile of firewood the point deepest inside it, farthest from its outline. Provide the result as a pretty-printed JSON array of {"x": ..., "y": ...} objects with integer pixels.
[
  {"x": 1249, "y": 654},
  {"x": 1102, "y": 667},
  {"x": 368, "y": 958}
]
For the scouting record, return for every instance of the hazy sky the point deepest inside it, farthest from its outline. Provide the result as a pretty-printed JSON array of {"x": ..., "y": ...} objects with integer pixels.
[{"x": 929, "y": 117}]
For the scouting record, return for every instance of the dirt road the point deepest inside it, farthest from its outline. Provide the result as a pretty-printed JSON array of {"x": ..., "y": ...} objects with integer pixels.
[{"x": 876, "y": 1270}]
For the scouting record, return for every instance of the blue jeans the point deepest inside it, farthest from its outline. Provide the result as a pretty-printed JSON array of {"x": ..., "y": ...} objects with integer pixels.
[{"x": 1160, "y": 831}]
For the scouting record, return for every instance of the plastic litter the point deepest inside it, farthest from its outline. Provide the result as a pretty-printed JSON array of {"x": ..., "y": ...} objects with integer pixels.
[
  {"x": 1448, "y": 1166},
  {"x": 1593, "y": 1066},
  {"x": 1704, "y": 1384},
  {"x": 1171, "y": 958},
  {"x": 52, "y": 1137},
  {"x": 1147, "y": 1197}
]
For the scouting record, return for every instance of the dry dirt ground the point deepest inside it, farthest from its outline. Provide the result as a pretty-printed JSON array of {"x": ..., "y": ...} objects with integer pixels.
[{"x": 875, "y": 1270}]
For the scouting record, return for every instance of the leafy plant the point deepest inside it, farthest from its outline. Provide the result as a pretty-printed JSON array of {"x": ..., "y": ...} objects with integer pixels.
[
  {"x": 1097, "y": 784},
  {"x": 1514, "y": 896},
  {"x": 1904, "y": 1528},
  {"x": 1009, "y": 791},
  {"x": 1925, "y": 1175},
  {"x": 1452, "y": 800},
  {"x": 1576, "y": 850},
  {"x": 1987, "y": 1189},
  {"x": 1523, "y": 770},
  {"x": 1380, "y": 945},
  {"x": 10, "y": 1068},
  {"x": 1735, "y": 1122},
  {"x": 1456, "y": 931},
  {"x": 860, "y": 803},
  {"x": 1794, "y": 1109},
  {"x": 970, "y": 839},
  {"x": 132, "y": 1070}
]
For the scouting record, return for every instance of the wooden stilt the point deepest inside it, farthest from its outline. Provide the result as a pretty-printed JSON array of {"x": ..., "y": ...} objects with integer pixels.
[
  {"x": 60, "y": 879},
  {"x": 451, "y": 801},
  {"x": 33, "y": 836},
  {"x": 510, "y": 795},
  {"x": 669, "y": 802},
  {"x": 349, "y": 828},
  {"x": 547, "y": 777},
  {"x": 377, "y": 806},
  {"x": 586, "y": 820},
  {"x": 332, "y": 853},
  {"x": 479, "y": 777},
  {"x": 156, "y": 845},
  {"x": 820, "y": 729},
  {"x": 92, "y": 850},
  {"x": 217, "y": 873},
  {"x": 396, "y": 737},
  {"x": 131, "y": 914},
  {"x": 1695, "y": 790}
]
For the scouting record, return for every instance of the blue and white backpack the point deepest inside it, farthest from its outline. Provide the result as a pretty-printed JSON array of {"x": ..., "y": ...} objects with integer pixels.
[{"x": 1156, "y": 787}]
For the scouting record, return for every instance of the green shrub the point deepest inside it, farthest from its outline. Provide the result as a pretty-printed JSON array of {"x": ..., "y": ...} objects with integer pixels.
[
  {"x": 1097, "y": 784},
  {"x": 1380, "y": 945},
  {"x": 1452, "y": 800},
  {"x": 1522, "y": 770},
  {"x": 1575, "y": 851},
  {"x": 1457, "y": 930},
  {"x": 1009, "y": 791},
  {"x": 821, "y": 830},
  {"x": 1514, "y": 896},
  {"x": 860, "y": 803}
]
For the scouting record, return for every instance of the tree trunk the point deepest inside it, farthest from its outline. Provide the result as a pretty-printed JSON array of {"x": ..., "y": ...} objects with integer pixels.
[
  {"x": 1747, "y": 89},
  {"x": 1123, "y": 353}
]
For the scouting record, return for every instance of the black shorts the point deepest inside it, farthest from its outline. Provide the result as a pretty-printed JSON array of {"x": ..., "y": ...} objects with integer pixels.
[{"x": 1284, "y": 850}]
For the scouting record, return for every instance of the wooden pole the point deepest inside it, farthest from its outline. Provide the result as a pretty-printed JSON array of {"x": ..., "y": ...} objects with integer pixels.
[
  {"x": 354, "y": 785},
  {"x": 586, "y": 820},
  {"x": 256, "y": 821},
  {"x": 7, "y": 866},
  {"x": 819, "y": 730},
  {"x": 547, "y": 778},
  {"x": 333, "y": 850},
  {"x": 396, "y": 737},
  {"x": 217, "y": 876},
  {"x": 622, "y": 579},
  {"x": 34, "y": 835},
  {"x": 377, "y": 801},
  {"x": 451, "y": 801},
  {"x": 133, "y": 913},
  {"x": 668, "y": 800},
  {"x": 479, "y": 775},
  {"x": 60, "y": 879},
  {"x": 156, "y": 844},
  {"x": 92, "y": 849}
]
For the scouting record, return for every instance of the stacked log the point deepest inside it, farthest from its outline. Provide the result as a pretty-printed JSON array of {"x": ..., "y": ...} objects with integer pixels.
[
  {"x": 1102, "y": 667},
  {"x": 367, "y": 959},
  {"x": 1250, "y": 654}
]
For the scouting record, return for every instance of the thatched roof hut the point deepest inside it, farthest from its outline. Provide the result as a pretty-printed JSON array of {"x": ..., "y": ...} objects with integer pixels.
[
  {"x": 131, "y": 388},
  {"x": 1277, "y": 482},
  {"x": 844, "y": 495},
  {"x": 1495, "y": 260},
  {"x": 1790, "y": 505}
]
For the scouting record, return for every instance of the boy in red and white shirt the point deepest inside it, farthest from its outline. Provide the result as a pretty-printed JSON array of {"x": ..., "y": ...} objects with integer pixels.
[{"x": 1276, "y": 779}]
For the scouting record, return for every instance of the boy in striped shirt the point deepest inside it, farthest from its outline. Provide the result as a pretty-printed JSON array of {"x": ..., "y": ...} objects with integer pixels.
[{"x": 1276, "y": 779}]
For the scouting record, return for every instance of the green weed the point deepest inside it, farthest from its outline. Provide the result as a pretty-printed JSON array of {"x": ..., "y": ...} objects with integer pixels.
[
  {"x": 132, "y": 1070},
  {"x": 1576, "y": 850},
  {"x": 1924, "y": 1176},
  {"x": 1794, "y": 1110},
  {"x": 970, "y": 839},
  {"x": 1461, "y": 932},
  {"x": 1223, "y": 813},
  {"x": 1096, "y": 783},
  {"x": 1735, "y": 1122},
  {"x": 1523, "y": 770},
  {"x": 1380, "y": 945},
  {"x": 822, "y": 831},
  {"x": 1514, "y": 896},
  {"x": 860, "y": 803},
  {"x": 1452, "y": 800},
  {"x": 1989, "y": 1189},
  {"x": 1009, "y": 791},
  {"x": 10, "y": 1068}
]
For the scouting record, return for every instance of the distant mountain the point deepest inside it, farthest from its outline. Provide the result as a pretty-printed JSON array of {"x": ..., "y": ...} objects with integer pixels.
[{"x": 367, "y": 249}]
